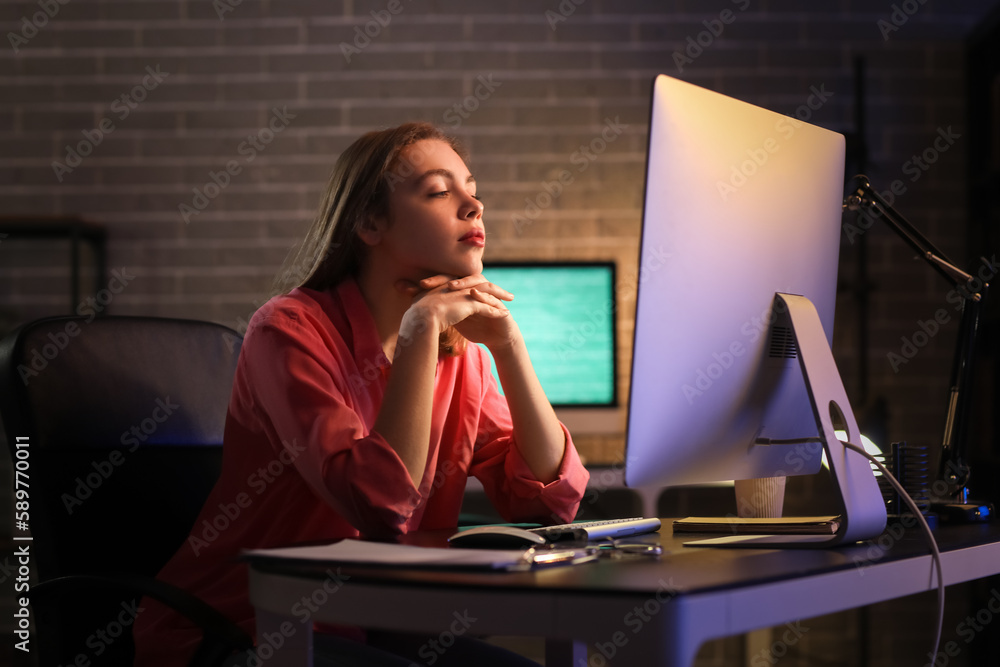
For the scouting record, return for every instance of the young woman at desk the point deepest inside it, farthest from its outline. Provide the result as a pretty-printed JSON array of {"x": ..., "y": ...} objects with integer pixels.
[{"x": 359, "y": 409}]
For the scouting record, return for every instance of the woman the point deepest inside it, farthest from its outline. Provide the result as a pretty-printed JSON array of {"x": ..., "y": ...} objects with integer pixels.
[{"x": 326, "y": 437}]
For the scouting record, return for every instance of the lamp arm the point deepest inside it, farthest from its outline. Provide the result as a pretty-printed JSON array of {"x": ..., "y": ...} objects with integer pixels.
[
  {"x": 864, "y": 196},
  {"x": 953, "y": 469}
]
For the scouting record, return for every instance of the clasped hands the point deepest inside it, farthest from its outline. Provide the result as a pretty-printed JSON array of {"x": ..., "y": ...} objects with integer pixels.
[{"x": 473, "y": 305}]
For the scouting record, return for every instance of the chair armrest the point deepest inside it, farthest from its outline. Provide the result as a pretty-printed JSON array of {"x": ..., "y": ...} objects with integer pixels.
[{"x": 220, "y": 636}]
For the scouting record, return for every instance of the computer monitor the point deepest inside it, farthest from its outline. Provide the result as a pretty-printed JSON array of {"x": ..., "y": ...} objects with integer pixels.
[
  {"x": 571, "y": 337},
  {"x": 744, "y": 204}
]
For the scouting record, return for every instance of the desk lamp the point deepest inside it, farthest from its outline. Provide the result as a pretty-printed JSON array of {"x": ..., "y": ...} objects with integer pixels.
[{"x": 954, "y": 472}]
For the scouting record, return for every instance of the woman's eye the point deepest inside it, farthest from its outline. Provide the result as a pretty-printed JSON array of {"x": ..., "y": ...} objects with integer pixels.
[{"x": 443, "y": 193}]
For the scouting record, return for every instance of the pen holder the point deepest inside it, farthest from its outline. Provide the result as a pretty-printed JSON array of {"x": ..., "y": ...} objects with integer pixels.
[{"x": 910, "y": 465}]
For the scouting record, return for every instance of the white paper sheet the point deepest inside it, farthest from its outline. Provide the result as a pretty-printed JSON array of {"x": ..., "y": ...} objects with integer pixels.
[{"x": 382, "y": 553}]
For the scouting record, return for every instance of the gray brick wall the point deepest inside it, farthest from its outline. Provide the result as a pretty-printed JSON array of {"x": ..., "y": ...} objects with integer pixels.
[
  {"x": 555, "y": 78},
  {"x": 560, "y": 77}
]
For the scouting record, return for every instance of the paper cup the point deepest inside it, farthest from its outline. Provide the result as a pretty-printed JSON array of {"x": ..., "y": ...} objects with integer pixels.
[{"x": 761, "y": 498}]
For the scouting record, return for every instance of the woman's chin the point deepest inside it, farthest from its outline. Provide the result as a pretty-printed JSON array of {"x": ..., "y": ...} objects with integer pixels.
[
  {"x": 461, "y": 270},
  {"x": 475, "y": 266},
  {"x": 457, "y": 267}
]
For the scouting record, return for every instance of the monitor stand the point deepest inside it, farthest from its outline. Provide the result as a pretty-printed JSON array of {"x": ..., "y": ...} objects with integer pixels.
[{"x": 863, "y": 514}]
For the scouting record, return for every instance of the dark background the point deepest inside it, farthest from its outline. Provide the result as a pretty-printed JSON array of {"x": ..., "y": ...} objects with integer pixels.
[{"x": 524, "y": 85}]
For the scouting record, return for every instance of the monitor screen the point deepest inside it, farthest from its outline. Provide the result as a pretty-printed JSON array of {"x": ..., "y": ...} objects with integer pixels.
[
  {"x": 566, "y": 313},
  {"x": 745, "y": 203}
]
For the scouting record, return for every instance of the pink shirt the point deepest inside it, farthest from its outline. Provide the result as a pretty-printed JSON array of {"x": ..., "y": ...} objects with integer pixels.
[{"x": 301, "y": 462}]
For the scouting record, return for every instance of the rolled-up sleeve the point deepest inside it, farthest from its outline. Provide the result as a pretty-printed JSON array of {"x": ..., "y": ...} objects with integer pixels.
[
  {"x": 302, "y": 385},
  {"x": 508, "y": 481}
]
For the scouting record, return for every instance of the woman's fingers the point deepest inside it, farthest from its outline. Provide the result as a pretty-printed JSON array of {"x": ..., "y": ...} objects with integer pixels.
[
  {"x": 413, "y": 289},
  {"x": 460, "y": 301},
  {"x": 408, "y": 287},
  {"x": 488, "y": 299},
  {"x": 479, "y": 282},
  {"x": 435, "y": 281}
]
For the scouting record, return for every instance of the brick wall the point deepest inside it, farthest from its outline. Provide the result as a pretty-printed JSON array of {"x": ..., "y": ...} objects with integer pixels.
[
  {"x": 133, "y": 113},
  {"x": 161, "y": 95}
]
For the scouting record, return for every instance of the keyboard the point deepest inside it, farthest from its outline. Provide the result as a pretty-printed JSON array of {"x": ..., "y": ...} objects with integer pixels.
[{"x": 598, "y": 530}]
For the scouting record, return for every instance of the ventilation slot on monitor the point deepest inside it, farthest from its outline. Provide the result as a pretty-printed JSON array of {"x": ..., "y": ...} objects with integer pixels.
[{"x": 783, "y": 343}]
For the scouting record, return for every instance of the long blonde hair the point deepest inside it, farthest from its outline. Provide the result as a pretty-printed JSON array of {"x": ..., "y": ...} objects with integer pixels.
[{"x": 358, "y": 191}]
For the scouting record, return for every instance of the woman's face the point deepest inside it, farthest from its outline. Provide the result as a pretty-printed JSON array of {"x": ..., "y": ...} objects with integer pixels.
[{"x": 435, "y": 223}]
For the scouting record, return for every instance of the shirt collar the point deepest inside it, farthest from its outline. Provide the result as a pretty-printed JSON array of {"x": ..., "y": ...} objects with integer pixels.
[{"x": 367, "y": 344}]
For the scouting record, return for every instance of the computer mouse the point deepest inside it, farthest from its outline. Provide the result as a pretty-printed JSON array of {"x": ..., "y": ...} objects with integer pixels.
[{"x": 496, "y": 537}]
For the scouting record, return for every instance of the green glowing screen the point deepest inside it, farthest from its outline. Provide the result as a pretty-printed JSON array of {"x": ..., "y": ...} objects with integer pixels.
[{"x": 566, "y": 313}]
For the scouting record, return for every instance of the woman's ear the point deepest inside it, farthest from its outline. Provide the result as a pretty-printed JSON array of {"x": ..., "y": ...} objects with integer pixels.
[{"x": 370, "y": 231}]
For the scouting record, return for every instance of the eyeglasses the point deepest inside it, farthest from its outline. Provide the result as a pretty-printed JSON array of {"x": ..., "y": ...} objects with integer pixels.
[
  {"x": 550, "y": 555},
  {"x": 614, "y": 549},
  {"x": 619, "y": 549}
]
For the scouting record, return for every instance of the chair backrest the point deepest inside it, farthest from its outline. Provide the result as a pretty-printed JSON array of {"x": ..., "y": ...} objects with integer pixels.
[{"x": 124, "y": 418}]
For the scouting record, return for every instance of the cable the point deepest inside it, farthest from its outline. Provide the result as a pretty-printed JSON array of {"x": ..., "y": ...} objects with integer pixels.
[
  {"x": 787, "y": 441},
  {"x": 935, "y": 553}
]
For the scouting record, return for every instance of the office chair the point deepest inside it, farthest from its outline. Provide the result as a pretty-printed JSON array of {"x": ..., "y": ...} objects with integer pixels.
[{"x": 124, "y": 418}]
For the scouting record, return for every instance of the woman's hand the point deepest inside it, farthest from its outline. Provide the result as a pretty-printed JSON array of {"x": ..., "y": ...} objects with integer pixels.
[{"x": 473, "y": 305}]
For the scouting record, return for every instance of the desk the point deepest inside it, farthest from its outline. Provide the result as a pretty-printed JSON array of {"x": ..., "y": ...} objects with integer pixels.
[{"x": 639, "y": 610}]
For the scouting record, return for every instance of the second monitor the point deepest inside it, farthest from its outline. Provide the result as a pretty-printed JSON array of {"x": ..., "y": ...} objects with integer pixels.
[{"x": 566, "y": 311}]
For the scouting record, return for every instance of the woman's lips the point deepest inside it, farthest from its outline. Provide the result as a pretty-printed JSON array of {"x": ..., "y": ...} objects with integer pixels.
[{"x": 476, "y": 237}]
